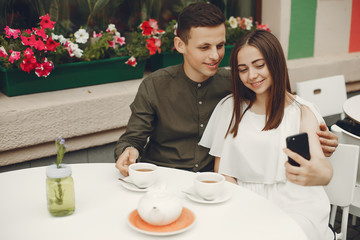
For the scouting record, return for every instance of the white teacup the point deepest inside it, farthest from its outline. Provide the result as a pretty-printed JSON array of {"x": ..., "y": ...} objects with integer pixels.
[
  {"x": 143, "y": 175},
  {"x": 209, "y": 185}
]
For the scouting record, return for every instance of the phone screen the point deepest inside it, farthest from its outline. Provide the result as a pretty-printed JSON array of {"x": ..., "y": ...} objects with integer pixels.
[{"x": 298, "y": 143}]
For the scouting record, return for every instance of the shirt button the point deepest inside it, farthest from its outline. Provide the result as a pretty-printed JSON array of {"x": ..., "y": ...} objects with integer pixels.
[
  {"x": 200, "y": 102},
  {"x": 199, "y": 84},
  {"x": 196, "y": 165},
  {"x": 202, "y": 125}
]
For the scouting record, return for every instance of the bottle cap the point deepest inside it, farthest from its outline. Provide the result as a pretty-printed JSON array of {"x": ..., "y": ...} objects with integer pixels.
[{"x": 53, "y": 172}]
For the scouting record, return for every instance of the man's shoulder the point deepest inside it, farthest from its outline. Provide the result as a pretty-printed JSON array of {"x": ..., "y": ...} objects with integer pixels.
[
  {"x": 163, "y": 74},
  {"x": 223, "y": 72}
]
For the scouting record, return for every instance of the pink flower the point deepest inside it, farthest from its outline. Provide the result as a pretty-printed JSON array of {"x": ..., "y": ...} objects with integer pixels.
[
  {"x": 46, "y": 22},
  {"x": 28, "y": 41},
  {"x": 111, "y": 44},
  {"x": 160, "y": 31},
  {"x": 51, "y": 45},
  {"x": 44, "y": 69},
  {"x": 154, "y": 24},
  {"x": 151, "y": 27},
  {"x": 263, "y": 27},
  {"x": 12, "y": 32},
  {"x": 28, "y": 31},
  {"x": 28, "y": 52},
  {"x": 68, "y": 47},
  {"x": 120, "y": 40},
  {"x": 40, "y": 45},
  {"x": 99, "y": 35},
  {"x": 40, "y": 33},
  {"x": 146, "y": 27},
  {"x": 131, "y": 61},
  {"x": 28, "y": 64},
  {"x": 15, "y": 55},
  {"x": 3, "y": 52},
  {"x": 153, "y": 45}
]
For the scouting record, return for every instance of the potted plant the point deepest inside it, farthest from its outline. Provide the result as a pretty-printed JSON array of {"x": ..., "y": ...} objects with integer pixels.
[
  {"x": 59, "y": 184},
  {"x": 235, "y": 29},
  {"x": 28, "y": 56},
  {"x": 168, "y": 56}
]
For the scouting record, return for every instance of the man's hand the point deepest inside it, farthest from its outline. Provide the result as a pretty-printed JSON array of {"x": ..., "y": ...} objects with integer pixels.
[
  {"x": 128, "y": 157},
  {"x": 328, "y": 140},
  {"x": 316, "y": 172}
]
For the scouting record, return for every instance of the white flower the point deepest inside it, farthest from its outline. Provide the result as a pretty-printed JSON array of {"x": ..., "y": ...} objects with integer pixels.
[
  {"x": 248, "y": 23},
  {"x": 81, "y": 36},
  {"x": 111, "y": 28},
  {"x": 62, "y": 40},
  {"x": 175, "y": 28},
  {"x": 54, "y": 36},
  {"x": 233, "y": 22},
  {"x": 76, "y": 51}
]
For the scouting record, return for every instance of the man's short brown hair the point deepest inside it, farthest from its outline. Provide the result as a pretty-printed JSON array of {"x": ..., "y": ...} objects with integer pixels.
[{"x": 200, "y": 14}]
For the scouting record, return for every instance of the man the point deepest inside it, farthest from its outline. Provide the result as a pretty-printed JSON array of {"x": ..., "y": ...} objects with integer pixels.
[{"x": 173, "y": 105}]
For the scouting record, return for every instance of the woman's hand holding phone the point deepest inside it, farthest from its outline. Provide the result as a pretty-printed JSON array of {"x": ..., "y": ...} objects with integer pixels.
[{"x": 308, "y": 173}]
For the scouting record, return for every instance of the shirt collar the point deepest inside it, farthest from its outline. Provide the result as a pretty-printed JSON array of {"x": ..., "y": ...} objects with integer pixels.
[{"x": 181, "y": 74}]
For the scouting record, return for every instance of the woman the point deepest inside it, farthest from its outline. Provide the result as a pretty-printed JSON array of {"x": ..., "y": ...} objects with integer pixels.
[{"x": 247, "y": 130}]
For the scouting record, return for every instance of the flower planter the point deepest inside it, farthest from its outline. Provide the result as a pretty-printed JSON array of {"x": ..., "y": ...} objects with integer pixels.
[
  {"x": 15, "y": 82},
  {"x": 226, "y": 60},
  {"x": 166, "y": 59}
]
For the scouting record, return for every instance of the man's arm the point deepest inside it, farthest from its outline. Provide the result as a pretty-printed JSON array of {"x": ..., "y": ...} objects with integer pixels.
[
  {"x": 328, "y": 140},
  {"x": 131, "y": 144},
  {"x": 127, "y": 158}
]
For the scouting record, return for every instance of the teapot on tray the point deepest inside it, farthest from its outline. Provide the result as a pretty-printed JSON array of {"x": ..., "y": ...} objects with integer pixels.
[{"x": 159, "y": 207}]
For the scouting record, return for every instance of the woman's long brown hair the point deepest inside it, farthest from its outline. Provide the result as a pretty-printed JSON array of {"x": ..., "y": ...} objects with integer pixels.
[{"x": 270, "y": 47}]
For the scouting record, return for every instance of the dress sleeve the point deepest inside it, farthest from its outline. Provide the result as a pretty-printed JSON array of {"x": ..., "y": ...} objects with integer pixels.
[
  {"x": 214, "y": 134},
  {"x": 141, "y": 121}
]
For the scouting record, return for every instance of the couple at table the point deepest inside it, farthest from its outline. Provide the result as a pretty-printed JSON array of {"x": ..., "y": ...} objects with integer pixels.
[{"x": 170, "y": 125}]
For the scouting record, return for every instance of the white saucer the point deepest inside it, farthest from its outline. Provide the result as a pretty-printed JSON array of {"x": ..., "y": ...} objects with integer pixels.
[
  {"x": 226, "y": 195},
  {"x": 133, "y": 188}
]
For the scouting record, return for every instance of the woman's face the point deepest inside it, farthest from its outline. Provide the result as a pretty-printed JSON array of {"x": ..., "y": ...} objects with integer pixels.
[{"x": 253, "y": 70}]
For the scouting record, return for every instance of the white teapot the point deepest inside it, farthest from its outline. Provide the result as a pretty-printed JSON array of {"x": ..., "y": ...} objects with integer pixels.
[{"x": 159, "y": 207}]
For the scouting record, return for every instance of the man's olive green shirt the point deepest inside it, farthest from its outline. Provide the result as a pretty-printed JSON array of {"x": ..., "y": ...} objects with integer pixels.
[{"x": 169, "y": 116}]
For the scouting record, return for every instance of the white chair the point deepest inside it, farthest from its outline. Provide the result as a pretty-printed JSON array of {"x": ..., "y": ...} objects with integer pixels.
[
  {"x": 346, "y": 137},
  {"x": 341, "y": 188},
  {"x": 349, "y": 138},
  {"x": 328, "y": 94}
]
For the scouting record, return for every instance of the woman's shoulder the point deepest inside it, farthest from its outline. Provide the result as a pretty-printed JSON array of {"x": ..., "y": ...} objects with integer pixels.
[
  {"x": 224, "y": 106},
  {"x": 225, "y": 102},
  {"x": 308, "y": 108}
]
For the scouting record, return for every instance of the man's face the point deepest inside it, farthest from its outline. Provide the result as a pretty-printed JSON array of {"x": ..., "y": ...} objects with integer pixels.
[{"x": 204, "y": 52}]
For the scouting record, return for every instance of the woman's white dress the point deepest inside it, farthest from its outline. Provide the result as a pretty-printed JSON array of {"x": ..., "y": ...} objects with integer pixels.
[{"x": 256, "y": 159}]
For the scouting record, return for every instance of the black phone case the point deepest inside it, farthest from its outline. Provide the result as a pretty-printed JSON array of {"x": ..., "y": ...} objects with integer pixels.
[{"x": 298, "y": 143}]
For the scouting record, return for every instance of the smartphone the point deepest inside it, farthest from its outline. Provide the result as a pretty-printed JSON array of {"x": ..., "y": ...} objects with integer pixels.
[{"x": 298, "y": 143}]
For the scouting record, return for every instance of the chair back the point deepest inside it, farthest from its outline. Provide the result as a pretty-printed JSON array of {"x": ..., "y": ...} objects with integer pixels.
[
  {"x": 328, "y": 94},
  {"x": 344, "y": 161},
  {"x": 346, "y": 137}
]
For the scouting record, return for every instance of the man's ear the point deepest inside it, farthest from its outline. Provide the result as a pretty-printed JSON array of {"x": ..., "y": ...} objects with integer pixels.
[{"x": 179, "y": 45}]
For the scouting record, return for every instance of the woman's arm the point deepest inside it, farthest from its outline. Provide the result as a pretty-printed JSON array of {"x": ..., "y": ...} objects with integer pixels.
[
  {"x": 317, "y": 171},
  {"x": 216, "y": 169}
]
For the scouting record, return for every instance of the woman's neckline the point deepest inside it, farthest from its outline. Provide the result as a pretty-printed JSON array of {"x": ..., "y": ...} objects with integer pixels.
[{"x": 290, "y": 101}]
